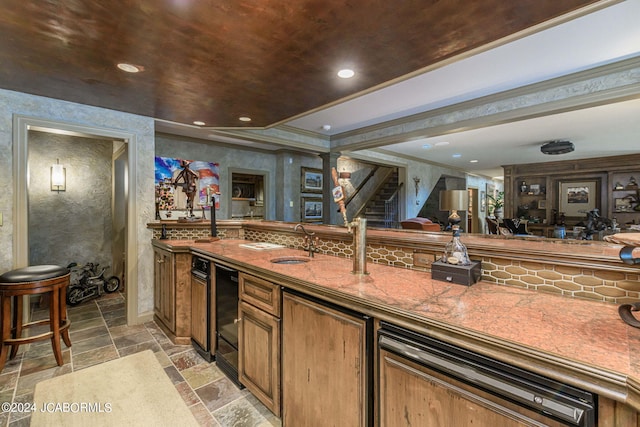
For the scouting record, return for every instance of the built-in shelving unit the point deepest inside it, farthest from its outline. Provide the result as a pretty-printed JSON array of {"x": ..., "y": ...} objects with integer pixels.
[
  {"x": 531, "y": 199},
  {"x": 625, "y": 197},
  {"x": 613, "y": 189},
  {"x": 247, "y": 196}
]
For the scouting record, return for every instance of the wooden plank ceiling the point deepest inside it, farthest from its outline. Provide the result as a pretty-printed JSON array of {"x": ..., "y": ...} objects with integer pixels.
[{"x": 217, "y": 60}]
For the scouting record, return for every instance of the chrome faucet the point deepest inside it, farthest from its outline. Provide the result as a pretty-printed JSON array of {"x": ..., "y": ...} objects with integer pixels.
[{"x": 309, "y": 241}]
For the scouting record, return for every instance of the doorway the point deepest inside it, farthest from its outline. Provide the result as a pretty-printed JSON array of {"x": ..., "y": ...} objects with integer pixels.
[
  {"x": 74, "y": 224},
  {"x": 23, "y": 127},
  {"x": 248, "y": 198},
  {"x": 473, "y": 212}
]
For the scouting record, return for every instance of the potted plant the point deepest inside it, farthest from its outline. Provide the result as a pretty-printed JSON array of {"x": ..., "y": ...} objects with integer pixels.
[{"x": 497, "y": 203}]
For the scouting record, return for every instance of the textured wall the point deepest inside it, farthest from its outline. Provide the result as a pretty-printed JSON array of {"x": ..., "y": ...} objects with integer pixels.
[
  {"x": 76, "y": 224},
  {"x": 284, "y": 174},
  {"x": 142, "y": 129}
]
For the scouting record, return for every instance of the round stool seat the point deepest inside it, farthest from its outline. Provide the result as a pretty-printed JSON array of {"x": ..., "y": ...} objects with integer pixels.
[
  {"x": 43, "y": 280},
  {"x": 34, "y": 273}
]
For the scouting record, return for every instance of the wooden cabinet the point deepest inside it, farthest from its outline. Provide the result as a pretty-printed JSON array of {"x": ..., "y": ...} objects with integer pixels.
[
  {"x": 615, "y": 414},
  {"x": 414, "y": 395},
  {"x": 611, "y": 176},
  {"x": 164, "y": 303},
  {"x": 172, "y": 293},
  {"x": 625, "y": 198},
  {"x": 259, "y": 362},
  {"x": 325, "y": 365},
  {"x": 531, "y": 199},
  {"x": 199, "y": 312}
]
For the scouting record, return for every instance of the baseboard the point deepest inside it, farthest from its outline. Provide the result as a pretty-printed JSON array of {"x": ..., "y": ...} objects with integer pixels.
[{"x": 140, "y": 319}]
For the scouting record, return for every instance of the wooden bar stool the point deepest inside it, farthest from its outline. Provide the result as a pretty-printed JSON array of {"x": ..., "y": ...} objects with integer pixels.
[{"x": 34, "y": 280}]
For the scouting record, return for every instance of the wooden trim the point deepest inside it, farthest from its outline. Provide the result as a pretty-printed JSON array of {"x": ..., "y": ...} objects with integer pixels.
[{"x": 568, "y": 168}]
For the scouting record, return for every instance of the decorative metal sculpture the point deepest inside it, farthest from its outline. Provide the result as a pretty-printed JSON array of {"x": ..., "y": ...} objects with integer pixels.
[
  {"x": 595, "y": 223},
  {"x": 188, "y": 185}
]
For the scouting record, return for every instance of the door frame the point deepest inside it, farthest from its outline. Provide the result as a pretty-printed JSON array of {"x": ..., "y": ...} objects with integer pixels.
[
  {"x": 21, "y": 127},
  {"x": 474, "y": 203},
  {"x": 266, "y": 176}
]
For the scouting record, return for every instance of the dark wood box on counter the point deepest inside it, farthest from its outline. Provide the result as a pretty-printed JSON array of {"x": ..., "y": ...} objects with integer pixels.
[{"x": 460, "y": 274}]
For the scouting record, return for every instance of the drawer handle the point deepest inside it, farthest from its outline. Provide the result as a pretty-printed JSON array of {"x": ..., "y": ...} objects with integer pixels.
[
  {"x": 237, "y": 320},
  {"x": 160, "y": 261}
]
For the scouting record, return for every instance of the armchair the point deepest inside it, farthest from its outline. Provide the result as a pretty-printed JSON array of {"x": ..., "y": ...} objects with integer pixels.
[
  {"x": 492, "y": 225},
  {"x": 517, "y": 227},
  {"x": 424, "y": 224}
]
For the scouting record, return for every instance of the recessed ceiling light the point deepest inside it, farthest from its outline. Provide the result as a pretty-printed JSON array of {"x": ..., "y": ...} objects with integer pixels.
[
  {"x": 244, "y": 119},
  {"x": 456, "y": 155},
  {"x": 427, "y": 146},
  {"x": 129, "y": 68},
  {"x": 326, "y": 127},
  {"x": 473, "y": 161},
  {"x": 199, "y": 123},
  {"x": 346, "y": 73},
  {"x": 441, "y": 143}
]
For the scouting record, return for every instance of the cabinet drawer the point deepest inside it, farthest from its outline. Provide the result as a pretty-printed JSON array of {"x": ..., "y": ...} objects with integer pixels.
[{"x": 260, "y": 293}]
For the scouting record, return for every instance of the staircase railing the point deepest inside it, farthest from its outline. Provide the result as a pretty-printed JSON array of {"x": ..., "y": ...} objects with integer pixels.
[
  {"x": 392, "y": 209},
  {"x": 372, "y": 172}
]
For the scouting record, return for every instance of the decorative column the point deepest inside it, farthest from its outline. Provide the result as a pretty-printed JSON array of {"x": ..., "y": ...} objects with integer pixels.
[{"x": 330, "y": 214}]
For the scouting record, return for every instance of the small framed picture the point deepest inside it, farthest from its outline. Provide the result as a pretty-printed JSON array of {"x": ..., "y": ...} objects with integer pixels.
[
  {"x": 311, "y": 180},
  {"x": 542, "y": 204},
  {"x": 534, "y": 189},
  {"x": 311, "y": 209}
]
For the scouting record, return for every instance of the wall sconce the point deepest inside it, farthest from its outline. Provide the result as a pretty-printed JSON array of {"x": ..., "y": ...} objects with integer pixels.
[
  {"x": 416, "y": 180},
  {"x": 58, "y": 177}
]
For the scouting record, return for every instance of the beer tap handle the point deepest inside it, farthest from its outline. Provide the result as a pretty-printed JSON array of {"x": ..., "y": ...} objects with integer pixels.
[{"x": 338, "y": 195}]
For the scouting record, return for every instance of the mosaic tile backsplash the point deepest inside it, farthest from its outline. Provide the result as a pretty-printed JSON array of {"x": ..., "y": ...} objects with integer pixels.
[{"x": 578, "y": 282}]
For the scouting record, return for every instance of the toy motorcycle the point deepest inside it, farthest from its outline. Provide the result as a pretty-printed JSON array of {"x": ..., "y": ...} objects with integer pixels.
[{"x": 87, "y": 283}]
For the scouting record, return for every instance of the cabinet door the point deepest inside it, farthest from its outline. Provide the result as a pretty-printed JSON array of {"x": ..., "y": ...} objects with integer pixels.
[
  {"x": 324, "y": 366},
  {"x": 164, "y": 288},
  {"x": 260, "y": 293},
  {"x": 413, "y": 395},
  {"x": 259, "y": 355},
  {"x": 199, "y": 309}
]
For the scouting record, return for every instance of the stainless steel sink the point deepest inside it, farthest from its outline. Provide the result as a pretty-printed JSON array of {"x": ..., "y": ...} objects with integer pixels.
[{"x": 290, "y": 260}]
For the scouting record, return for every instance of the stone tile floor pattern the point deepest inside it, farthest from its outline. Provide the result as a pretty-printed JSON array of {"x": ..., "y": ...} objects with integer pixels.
[{"x": 98, "y": 334}]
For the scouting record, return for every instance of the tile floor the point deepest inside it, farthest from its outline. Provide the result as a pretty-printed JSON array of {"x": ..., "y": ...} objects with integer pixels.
[{"x": 98, "y": 334}]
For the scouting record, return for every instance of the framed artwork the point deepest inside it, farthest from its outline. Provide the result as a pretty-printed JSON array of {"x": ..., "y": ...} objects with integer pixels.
[
  {"x": 534, "y": 189},
  {"x": 311, "y": 209},
  {"x": 483, "y": 201},
  {"x": 542, "y": 204},
  {"x": 171, "y": 199},
  {"x": 311, "y": 180},
  {"x": 576, "y": 198}
]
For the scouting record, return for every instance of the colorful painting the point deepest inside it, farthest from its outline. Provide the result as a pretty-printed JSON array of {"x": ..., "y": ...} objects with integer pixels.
[{"x": 169, "y": 198}]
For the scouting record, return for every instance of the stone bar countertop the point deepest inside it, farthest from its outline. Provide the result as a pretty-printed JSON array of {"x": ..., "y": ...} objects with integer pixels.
[{"x": 581, "y": 342}]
